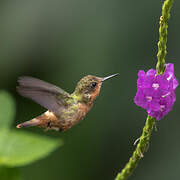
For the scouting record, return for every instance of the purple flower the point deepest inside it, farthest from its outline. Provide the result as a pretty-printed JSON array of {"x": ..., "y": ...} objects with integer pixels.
[{"x": 156, "y": 93}]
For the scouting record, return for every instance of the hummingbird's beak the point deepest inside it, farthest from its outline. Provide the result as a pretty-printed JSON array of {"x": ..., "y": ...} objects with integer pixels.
[{"x": 108, "y": 77}]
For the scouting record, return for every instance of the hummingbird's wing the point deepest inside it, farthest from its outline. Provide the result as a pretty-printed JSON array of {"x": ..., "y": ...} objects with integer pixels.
[{"x": 47, "y": 95}]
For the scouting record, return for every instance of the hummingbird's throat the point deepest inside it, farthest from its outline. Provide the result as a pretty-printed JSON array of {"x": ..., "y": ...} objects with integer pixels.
[
  {"x": 93, "y": 95},
  {"x": 86, "y": 97}
]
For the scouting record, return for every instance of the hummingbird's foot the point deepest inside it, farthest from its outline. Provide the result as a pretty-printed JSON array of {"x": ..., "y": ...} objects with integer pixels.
[
  {"x": 60, "y": 129},
  {"x": 48, "y": 126}
]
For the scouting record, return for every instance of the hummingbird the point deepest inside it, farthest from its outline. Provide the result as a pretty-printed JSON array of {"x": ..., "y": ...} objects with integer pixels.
[{"x": 64, "y": 110}]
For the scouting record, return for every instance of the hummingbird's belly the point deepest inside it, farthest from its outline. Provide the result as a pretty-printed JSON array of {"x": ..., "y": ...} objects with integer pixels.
[
  {"x": 68, "y": 117},
  {"x": 73, "y": 116}
]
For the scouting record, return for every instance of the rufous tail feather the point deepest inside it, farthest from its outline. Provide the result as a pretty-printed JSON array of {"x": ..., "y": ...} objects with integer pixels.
[{"x": 33, "y": 122}]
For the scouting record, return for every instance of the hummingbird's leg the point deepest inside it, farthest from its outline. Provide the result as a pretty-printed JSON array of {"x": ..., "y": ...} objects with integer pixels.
[
  {"x": 60, "y": 129},
  {"x": 48, "y": 126}
]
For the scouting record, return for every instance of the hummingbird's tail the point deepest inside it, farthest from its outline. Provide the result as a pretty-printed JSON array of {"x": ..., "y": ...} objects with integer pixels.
[{"x": 33, "y": 122}]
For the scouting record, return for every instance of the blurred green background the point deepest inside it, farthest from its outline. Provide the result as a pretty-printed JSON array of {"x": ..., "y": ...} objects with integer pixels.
[{"x": 60, "y": 41}]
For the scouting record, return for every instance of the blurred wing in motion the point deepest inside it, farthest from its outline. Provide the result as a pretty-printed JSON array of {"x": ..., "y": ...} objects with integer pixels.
[{"x": 47, "y": 95}]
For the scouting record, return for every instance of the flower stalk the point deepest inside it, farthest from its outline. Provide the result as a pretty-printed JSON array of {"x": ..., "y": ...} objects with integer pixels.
[
  {"x": 141, "y": 148},
  {"x": 144, "y": 139},
  {"x": 160, "y": 67}
]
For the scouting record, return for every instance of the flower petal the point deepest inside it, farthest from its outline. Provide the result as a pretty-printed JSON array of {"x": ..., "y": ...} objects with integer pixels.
[{"x": 156, "y": 93}]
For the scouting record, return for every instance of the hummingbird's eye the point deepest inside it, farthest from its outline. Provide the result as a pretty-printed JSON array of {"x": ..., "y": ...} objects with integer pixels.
[{"x": 93, "y": 85}]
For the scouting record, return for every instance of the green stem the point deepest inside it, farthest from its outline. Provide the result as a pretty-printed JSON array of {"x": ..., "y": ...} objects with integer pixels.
[
  {"x": 143, "y": 144},
  {"x": 160, "y": 67},
  {"x": 140, "y": 149}
]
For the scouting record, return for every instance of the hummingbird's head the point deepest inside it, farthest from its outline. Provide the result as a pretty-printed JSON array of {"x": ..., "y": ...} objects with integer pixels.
[{"x": 88, "y": 87}]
